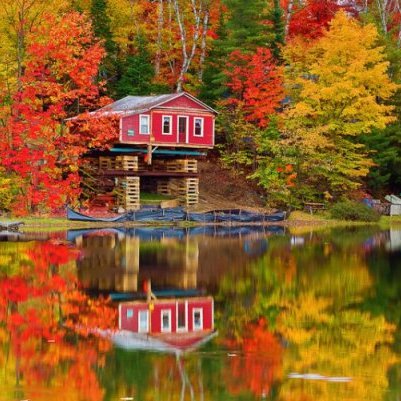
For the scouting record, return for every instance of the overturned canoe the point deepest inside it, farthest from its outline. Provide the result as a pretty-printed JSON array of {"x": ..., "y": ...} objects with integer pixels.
[
  {"x": 179, "y": 214},
  {"x": 10, "y": 225}
]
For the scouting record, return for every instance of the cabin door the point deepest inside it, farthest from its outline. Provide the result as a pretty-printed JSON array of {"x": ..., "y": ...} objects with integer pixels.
[
  {"x": 182, "y": 129},
  {"x": 182, "y": 311}
]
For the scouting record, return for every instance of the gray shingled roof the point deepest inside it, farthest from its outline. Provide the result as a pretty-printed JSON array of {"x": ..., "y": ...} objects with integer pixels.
[
  {"x": 137, "y": 103},
  {"x": 134, "y": 104}
]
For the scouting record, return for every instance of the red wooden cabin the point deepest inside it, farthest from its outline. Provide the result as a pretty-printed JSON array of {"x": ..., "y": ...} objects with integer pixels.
[
  {"x": 167, "y": 316},
  {"x": 177, "y": 119}
]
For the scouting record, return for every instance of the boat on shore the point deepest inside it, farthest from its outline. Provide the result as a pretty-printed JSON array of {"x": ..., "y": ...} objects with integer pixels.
[
  {"x": 11, "y": 226},
  {"x": 179, "y": 214}
]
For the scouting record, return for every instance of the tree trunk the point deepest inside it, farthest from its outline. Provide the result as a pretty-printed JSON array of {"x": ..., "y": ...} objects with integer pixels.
[
  {"x": 160, "y": 23},
  {"x": 288, "y": 17},
  {"x": 203, "y": 45}
]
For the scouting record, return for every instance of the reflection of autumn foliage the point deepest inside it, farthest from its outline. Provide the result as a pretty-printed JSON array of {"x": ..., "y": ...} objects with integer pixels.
[
  {"x": 45, "y": 315},
  {"x": 259, "y": 364}
]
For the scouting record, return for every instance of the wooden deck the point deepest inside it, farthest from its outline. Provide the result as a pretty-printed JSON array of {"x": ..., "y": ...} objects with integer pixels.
[{"x": 148, "y": 173}]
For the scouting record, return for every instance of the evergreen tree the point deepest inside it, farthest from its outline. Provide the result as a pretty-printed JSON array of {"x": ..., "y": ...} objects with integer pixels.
[
  {"x": 277, "y": 31},
  {"x": 385, "y": 148},
  {"x": 214, "y": 78},
  {"x": 101, "y": 28},
  {"x": 137, "y": 72},
  {"x": 242, "y": 27},
  {"x": 246, "y": 25}
]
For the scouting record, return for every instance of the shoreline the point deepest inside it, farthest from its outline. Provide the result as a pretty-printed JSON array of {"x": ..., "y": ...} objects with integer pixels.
[{"x": 296, "y": 220}]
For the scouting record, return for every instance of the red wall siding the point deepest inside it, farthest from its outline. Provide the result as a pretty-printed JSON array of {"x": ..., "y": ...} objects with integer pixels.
[
  {"x": 132, "y": 323},
  {"x": 132, "y": 122},
  {"x": 184, "y": 102},
  {"x": 207, "y": 307},
  {"x": 205, "y": 140},
  {"x": 157, "y": 316}
]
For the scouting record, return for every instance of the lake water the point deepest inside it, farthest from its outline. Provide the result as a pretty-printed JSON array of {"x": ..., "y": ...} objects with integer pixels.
[{"x": 304, "y": 316}]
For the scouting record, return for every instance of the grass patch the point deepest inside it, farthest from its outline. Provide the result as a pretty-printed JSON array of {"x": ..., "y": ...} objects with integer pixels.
[{"x": 151, "y": 197}]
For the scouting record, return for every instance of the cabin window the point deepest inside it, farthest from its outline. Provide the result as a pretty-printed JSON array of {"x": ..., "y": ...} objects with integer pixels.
[
  {"x": 166, "y": 320},
  {"x": 198, "y": 126},
  {"x": 143, "y": 321},
  {"x": 130, "y": 313},
  {"x": 144, "y": 124},
  {"x": 197, "y": 319},
  {"x": 131, "y": 132},
  {"x": 166, "y": 125}
]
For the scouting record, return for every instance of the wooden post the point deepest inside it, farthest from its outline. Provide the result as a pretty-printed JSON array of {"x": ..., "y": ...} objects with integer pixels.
[{"x": 149, "y": 155}]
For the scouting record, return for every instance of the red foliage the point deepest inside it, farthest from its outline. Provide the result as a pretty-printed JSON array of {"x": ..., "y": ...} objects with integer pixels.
[
  {"x": 256, "y": 83},
  {"x": 259, "y": 362},
  {"x": 59, "y": 78},
  {"x": 313, "y": 19}
]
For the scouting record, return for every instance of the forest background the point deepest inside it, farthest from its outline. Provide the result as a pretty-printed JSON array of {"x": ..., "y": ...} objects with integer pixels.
[{"x": 307, "y": 91}]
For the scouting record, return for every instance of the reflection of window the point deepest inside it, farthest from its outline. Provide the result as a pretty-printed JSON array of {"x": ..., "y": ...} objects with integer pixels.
[
  {"x": 143, "y": 324},
  {"x": 130, "y": 313},
  {"x": 144, "y": 124},
  {"x": 166, "y": 320},
  {"x": 198, "y": 319},
  {"x": 198, "y": 126},
  {"x": 166, "y": 125}
]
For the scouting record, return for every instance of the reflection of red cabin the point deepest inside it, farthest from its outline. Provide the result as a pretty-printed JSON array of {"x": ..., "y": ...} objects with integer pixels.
[
  {"x": 167, "y": 316},
  {"x": 177, "y": 119}
]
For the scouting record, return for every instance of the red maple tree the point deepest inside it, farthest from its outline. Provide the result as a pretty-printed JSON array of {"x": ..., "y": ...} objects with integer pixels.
[
  {"x": 59, "y": 81},
  {"x": 256, "y": 84}
]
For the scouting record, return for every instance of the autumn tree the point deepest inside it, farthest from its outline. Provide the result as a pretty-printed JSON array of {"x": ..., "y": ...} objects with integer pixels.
[
  {"x": 255, "y": 83},
  {"x": 337, "y": 88},
  {"x": 311, "y": 20},
  {"x": 58, "y": 82}
]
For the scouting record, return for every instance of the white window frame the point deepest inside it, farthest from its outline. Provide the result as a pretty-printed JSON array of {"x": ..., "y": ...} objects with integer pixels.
[
  {"x": 194, "y": 310},
  {"x": 162, "y": 314},
  {"x": 171, "y": 124},
  {"x": 140, "y": 329},
  {"x": 202, "y": 126},
  {"x": 186, "y": 130},
  {"x": 147, "y": 116}
]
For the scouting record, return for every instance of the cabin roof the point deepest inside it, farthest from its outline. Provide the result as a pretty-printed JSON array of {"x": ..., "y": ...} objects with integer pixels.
[{"x": 136, "y": 104}]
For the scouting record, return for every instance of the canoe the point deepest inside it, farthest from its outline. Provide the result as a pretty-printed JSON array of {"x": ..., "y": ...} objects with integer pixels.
[{"x": 179, "y": 214}]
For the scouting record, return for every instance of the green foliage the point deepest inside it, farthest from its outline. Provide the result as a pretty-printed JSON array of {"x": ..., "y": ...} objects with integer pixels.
[
  {"x": 246, "y": 28},
  {"x": 236, "y": 138},
  {"x": 334, "y": 103},
  {"x": 276, "y": 18},
  {"x": 101, "y": 28},
  {"x": 137, "y": 73},
  {"x": 354, "y": 211},
  {"x": 385, "y": 148}
]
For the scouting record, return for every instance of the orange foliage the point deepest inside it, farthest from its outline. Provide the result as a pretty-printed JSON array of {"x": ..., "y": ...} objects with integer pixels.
[
  {"x": 256, "y": 83},
  {"x": 259, "y": 362},
  {"x": 41, "y": 309}
]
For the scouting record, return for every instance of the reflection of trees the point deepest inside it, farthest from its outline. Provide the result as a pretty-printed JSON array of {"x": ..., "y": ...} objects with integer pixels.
[
  {"x": 256, "y": 363},
  {"x": 42, "y": 319},
  {"x": 150, "y": 376},
  {"x": 312, "y": 299}
]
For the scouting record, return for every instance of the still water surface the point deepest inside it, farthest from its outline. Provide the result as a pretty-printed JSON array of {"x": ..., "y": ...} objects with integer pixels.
[{"x": 300, "y": 316}]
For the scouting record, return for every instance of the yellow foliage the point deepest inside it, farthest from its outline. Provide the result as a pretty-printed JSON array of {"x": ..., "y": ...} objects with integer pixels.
[{"x": 335, "y": 84}]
